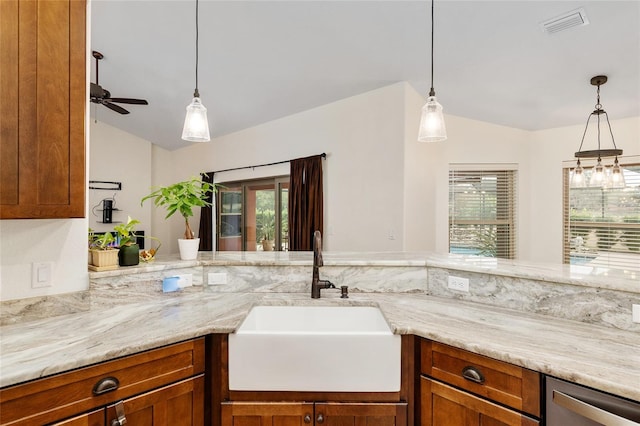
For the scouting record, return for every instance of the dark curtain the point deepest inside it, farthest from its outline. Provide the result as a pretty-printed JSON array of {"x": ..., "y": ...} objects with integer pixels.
[
  {"x": 206, "y": 218},
  {"x": 305, "y": 202}
]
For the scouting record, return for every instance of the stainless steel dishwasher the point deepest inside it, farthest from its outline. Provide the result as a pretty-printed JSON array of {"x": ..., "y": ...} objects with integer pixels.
[{"x": 569, "y": 404}]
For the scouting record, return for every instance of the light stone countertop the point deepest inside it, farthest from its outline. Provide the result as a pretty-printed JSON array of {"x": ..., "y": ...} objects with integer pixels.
[
  {"x": 581, "y": 275},
  {"x": 603, "y": 358}
]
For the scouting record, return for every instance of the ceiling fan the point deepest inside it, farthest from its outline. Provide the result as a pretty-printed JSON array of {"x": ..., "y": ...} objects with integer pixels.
[{"x": 103, "y": 96}]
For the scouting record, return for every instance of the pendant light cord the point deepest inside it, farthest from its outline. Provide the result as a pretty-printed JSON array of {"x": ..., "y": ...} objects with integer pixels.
[
  {"x": 196, "y": 94},
  {"x": 432, "y": 92}
]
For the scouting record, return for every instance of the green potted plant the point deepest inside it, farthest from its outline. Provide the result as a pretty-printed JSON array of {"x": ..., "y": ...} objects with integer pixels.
[
  {"x": 182, "y": 197},
  {"x": 103, "y": 254},
  {"x": 267, "y": 224},
  {"x": 129, "y": 254}
]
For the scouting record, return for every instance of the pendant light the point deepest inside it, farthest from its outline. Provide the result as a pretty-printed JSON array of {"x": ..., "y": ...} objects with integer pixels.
[
  {"x": 196, "y": 125},
  {"x": 432, "y": 128},
  {"x": 601, "y": 175}
]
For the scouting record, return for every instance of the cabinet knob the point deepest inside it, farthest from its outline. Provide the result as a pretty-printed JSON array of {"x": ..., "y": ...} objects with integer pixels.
[
  {"x": 307, "y": 418},
  {"x": 320, "y": 418},
  {"x": 473, "y": 374},
  {"x": 105, "y": 385}
]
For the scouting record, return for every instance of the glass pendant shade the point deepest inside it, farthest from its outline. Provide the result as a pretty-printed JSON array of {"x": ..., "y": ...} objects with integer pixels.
[
  {"x": 578, "y": 178},
  {"x": 432, "y": 127},
  {"x": 196, "y": 125},
  {"x": 617, "y": 176},
  {"x": 598, "y": 175}
]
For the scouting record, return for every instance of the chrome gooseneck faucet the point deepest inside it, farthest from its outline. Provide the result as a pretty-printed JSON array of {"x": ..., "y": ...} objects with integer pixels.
[{"x": 316, "y": 283}]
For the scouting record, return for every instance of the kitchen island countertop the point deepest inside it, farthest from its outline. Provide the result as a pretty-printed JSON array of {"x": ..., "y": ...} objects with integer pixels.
[{"x": 599, "y": 357}]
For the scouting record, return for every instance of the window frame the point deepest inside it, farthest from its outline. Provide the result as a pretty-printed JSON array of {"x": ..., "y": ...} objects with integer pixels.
[
  {"x": 605, "y": 227},
  {"x": 278, "y": 183},
  {"x": 507, "y": 209}
]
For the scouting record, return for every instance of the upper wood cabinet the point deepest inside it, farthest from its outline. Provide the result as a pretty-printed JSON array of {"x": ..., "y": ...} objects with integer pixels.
[{"x": 43, "y": 95}]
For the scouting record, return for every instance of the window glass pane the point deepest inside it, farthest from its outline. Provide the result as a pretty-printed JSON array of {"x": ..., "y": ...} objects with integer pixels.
[
  {"x": 602, "y": 225},
  {"x": 482, "y": 212},
  {"x": 230, "y": 218}
]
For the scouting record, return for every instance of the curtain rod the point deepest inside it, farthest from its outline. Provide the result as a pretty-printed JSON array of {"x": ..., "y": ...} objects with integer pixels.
[{"x": 323, "y": 155}]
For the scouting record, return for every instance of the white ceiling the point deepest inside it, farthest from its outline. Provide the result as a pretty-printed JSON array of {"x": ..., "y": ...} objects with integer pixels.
[{"x": 262, "y": 60}]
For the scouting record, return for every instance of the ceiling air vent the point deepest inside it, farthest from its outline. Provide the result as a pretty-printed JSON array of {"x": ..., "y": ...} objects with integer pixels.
[{"x": 575, "y": 18}]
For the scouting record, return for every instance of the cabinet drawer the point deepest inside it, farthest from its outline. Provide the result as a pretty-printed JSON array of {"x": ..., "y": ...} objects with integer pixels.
[
  {"x": 445, "y": 405},
  {"x": 64, "y": 395},
  {"x": 502, "y": 382}
]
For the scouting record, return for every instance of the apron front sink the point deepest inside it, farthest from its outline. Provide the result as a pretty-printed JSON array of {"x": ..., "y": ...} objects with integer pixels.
[{"x": 309, "y": 348}]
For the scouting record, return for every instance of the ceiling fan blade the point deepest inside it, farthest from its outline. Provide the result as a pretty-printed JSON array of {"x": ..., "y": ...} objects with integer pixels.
[
  {"x": 129, "y": 101},
  {"x": 115, "y": 108}
]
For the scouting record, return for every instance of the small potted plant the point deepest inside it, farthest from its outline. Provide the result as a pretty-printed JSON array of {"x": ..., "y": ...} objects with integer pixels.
[
  {"x": 102, "y": 251},
  {"x": 129, "y": 254},
  {"x": 267, "y": 222},
  {"x": 182, "y": 197}
]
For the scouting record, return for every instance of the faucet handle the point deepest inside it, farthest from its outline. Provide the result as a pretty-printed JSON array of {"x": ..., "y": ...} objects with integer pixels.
[{"x": 344, "y": 292}]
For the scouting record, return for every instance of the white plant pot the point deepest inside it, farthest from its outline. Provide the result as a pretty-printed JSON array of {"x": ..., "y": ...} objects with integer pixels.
[{"x": 188, "y": 248}]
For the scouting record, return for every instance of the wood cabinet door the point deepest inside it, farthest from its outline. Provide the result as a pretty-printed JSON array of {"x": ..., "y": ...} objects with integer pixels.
[
  {"x": 43, "y": 92},
  {"x": 181, "y": 403},
  {"x": 443, "y": 405},
  {"x": 267, "y": 413},
  {"x": 94, "y": 418},
  {"x": 67, "y": 394},
  {"x": 360, "y": 414}
]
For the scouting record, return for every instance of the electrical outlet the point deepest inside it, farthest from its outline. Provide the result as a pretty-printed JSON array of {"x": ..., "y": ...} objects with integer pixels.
[
  {"x": 41, "y": 274},
  {"x": 217, "y": 278},
  {"x": 635, "y": 313},
  {"x": 459, "y": 284},
  {"x": 185, "y": 280}
]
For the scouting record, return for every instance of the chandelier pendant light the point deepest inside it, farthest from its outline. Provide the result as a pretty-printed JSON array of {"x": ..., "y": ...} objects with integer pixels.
[
  {"x": 601, "y": 175},
  {"x": 432, "y": 128},
  {"x": 196, "y": 125}
]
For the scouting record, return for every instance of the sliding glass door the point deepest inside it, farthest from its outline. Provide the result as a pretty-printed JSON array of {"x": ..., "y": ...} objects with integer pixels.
[{"x": 253, "y": 215}]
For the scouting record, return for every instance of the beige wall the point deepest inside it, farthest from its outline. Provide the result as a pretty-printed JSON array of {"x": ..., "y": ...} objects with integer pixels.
[
  {"x": 379, "y": 181},
  {"x": 363, "y": 179},
  {"x": 119, "y": 156}
]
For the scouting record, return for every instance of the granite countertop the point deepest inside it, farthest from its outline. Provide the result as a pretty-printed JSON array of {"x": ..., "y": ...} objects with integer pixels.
[
  {"x": 603, "y": 358},
  {"x": 582, "y": 275}
]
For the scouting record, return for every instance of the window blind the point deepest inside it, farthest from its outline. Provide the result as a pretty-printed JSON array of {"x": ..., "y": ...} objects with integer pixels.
[
  {"x": 602, "y": 225},
  {"x": 482, "y": 212}
]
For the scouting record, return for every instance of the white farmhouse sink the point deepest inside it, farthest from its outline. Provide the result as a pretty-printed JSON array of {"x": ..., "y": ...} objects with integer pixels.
[{"x": 309, "y": 348}]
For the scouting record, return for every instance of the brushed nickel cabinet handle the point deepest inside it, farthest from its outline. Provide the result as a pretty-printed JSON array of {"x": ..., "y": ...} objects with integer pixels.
[
  {"x": 590, "y": 411},
  {"x": 108, "y": 384},
  {"x": 320, "y": 418},
  {"x": 307, "y": 418},
  {"x": 473, "y": 374}
]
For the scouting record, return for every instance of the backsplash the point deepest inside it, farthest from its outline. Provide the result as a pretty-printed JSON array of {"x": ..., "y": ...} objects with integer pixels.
[
  {"x": 605, "y": 307},
  {"x": 611, "y": 308}
]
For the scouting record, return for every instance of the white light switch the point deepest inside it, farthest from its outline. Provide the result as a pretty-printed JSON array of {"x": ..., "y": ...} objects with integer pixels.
[
  {"x": 217, "y": 278},
  {"x": 636, "y": 313},
  {"x": 458, "y": 283},
  {"x": 41, "y": 274}
]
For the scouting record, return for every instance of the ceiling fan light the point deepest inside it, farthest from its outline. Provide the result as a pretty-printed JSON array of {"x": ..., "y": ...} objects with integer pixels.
[
  {"x": 432, "y": 127},
  {"x": 196, "y": 125}
]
